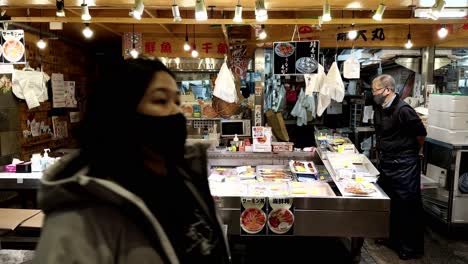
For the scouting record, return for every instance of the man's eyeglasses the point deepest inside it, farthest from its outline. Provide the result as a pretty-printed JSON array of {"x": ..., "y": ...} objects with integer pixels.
[{"x": 379, "y": 89}]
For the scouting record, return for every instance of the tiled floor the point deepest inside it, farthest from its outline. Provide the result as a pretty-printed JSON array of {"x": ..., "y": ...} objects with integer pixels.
[{"x": 291, "y": 250}]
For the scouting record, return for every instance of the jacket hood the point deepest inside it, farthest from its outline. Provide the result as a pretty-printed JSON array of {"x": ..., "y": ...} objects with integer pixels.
[{"x": 66, "y": 185}]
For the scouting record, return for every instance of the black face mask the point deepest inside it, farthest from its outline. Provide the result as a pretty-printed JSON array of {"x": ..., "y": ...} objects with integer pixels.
[
  {"x": 164, "y": 135},
  {"x": 380, "y": 98}
]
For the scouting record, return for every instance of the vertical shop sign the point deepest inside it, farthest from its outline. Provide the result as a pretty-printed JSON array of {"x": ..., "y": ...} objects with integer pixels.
[
  {"x": 295, "y": 57},
  {"x": 253, "y": 216},
  {"x": 280, "y": 216},
  {"x": 12, "y": 50}
]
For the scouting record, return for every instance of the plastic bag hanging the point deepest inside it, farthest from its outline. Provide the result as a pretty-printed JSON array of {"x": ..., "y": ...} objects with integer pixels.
[
  {"x": 314, "y": 81},
  {"x": 225, "y": 87},
  {"x": 352, "y": 68},
  {"x": 334, "y": 84}
]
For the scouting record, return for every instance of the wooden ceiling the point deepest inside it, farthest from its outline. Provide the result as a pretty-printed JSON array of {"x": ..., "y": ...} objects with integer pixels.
[
  {"x": 247, "y": 4},
  {"x": 110, "y": 18}
]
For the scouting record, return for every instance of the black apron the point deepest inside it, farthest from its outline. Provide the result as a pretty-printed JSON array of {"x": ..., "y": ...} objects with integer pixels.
[{"x": 401, "y": 179}]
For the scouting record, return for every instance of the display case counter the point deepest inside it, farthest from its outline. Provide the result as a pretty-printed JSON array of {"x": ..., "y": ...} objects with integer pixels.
[{"x": 334, "y": 215}]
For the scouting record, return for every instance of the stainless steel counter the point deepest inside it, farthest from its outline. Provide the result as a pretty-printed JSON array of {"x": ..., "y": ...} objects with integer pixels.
[{"x": 314, "y": 216}]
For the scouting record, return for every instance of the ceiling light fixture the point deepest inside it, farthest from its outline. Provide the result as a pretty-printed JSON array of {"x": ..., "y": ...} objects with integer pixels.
[
  {"x": 200, "y": 10},
  {"x": 41, "y": 44},
  {"x": 186, "y": 44},
  {"x": 60, "y": 8},
  {"x": 261, "y": 13},
  {"x": 137, "y": 10},
  {"x": 409, "y": 44},
  {"x": 326, "y": 15},
  {"x": 238, "y": 13},
  {"x": 194, "y": 50},
  {"x": 85, "y": 12},
  {"x": 176, "y": 12},
  {"x": 134, "y": 53},
  {"x": 379, "y": 12},
  {"x": 437, "y": 9},
  {"x": 442, "y": 32},
  {"x": 263, "y": 35},
  {"x": 87, "y": 31}
]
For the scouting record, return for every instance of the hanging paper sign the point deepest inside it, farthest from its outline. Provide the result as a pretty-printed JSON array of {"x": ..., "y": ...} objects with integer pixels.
[
  {"x": 296, "y": 57},
  {"x": 12, "y": 48},
  {"x": 253, "y": 216}
]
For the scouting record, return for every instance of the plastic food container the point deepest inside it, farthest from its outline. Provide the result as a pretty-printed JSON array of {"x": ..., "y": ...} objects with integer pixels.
[{"x": 282, "y": 146}]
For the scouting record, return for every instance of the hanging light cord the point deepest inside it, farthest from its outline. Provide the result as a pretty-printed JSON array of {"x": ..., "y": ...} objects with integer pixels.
[{"x": 133, "y": 36}]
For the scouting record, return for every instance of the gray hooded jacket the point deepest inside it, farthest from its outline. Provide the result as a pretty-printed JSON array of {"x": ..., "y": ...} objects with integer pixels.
[{"x": 85, "y": 224}]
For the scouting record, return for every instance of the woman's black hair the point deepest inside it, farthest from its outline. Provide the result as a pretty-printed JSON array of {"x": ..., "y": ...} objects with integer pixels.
[{"x": 109, "y": 135}]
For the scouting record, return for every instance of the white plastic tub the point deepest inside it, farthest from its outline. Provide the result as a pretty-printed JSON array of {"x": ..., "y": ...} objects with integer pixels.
[
  {"x": 447, "y": 135},
  {"x": 448, "y": 120},
  {"x": 448, "y": 103}
]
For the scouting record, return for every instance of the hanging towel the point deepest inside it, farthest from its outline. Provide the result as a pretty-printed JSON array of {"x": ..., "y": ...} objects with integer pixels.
[{"x": 333, "y": 84}]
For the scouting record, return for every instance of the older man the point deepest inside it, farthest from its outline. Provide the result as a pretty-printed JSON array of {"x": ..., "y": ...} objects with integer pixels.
[{"x": 400, "y": 139}]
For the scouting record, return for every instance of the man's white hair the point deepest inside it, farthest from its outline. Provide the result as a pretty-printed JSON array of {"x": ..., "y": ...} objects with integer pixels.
[{"x": 385, "y": 81}]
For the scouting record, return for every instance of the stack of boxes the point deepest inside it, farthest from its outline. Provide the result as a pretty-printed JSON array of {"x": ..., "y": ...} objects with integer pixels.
[{"x": 448, "y": 118}]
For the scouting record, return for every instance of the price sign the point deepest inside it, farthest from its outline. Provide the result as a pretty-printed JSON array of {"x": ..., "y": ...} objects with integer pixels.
[{"x": 295, "y": 57}]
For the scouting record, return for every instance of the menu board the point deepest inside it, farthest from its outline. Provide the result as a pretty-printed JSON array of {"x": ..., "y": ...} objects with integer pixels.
[
  {"x": 12, "y": 49},
  {"x": 295, "y": 57}
]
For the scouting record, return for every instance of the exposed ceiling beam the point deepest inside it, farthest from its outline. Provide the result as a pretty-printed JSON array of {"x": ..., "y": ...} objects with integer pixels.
[
  {"x": 162, "y": 25},
  {"x": 459, "y": 34},
  {"x": 291, "y": 21},
  {"x": 96, "y": 24}
]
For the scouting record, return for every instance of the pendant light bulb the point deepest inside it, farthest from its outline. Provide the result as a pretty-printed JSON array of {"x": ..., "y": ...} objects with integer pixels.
[
  {"x": 187, "y": 46},
  {"x": 263, "y": 35},
  {"x": 352, "y": 35},
  {"x": 134, "y": 53},
  {"x": 85, "y": 16},
  {"x": 87, "y": 32},
  {"x": 41, "y": 44},
  {"x": 200, "y": 10},
  {"x": 176, "y": 12},
  {"x": 137, "y": 10},
  {"x": 379, "y": 12},
  {"x": 326, "y": 15},
  {"x": 409, "y": 44},
  {"x": 60, "y": 8},
  {"x": 238, "y": 13},
  {"x": 194, "y": 53},
  {"x": 442, "y": 32}
]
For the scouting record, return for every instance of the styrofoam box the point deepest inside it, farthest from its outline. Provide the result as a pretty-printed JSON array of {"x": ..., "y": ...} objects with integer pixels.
[
  {"x": 448, "y": 103},
  {"x": 452, "y": 121},
  {"x": 447, "y": 135}
]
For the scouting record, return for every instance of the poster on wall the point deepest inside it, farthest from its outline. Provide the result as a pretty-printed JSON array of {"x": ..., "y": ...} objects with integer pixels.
[
  {"x": 58, "y": 90},
  {"x": 12, "y": 48},
  {"x": 295, "y": 57}
]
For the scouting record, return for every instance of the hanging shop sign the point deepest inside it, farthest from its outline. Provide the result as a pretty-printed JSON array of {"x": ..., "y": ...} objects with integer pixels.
[
  {"x": 295, "y": 57},
  {"x": 12, "y": 50},
  {"x": 150, "y": 46},
  {"x": 377, "y": 34}
]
